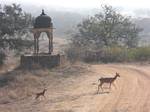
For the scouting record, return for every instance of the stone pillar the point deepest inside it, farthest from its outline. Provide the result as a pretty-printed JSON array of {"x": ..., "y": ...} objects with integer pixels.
[
  {"x": 34, "y": 44},
  {"x": 37, "y": 45},
  {"x": 37, "y": 33},
  {"x": 52, "y": 41},
  {"x": 49, "y": 45}
]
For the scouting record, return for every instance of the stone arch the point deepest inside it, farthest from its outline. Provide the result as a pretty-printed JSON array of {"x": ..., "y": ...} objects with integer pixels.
[{"x": 36, "y": 33}]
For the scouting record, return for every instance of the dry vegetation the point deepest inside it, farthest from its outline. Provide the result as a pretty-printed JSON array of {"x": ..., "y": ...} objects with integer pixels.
[
  {"x": 73, "y": 88},
  {"x": 19, "y": 86}
]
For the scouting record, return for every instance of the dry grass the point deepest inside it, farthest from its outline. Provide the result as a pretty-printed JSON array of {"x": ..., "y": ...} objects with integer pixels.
[
  {"x": 17, "y": 85},
  {"x": 71, "y": 88}
]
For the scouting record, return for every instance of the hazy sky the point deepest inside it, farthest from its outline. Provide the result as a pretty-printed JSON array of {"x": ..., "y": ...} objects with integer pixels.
[
  {"x": 129, "y": 4},
  {"x": 137, "y": 8}
]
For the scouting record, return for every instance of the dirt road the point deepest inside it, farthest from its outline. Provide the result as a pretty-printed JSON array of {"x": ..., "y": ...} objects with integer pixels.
[{"x": 131, "y": 92}]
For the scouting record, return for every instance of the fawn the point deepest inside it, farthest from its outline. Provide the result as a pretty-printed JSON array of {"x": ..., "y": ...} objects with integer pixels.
[
  {"x": 109, "y": 80},
  {"x": 40, "y": 94}
]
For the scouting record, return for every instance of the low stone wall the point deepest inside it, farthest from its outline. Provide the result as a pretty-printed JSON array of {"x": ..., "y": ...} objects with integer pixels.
[{"x": 47, "y": 61}]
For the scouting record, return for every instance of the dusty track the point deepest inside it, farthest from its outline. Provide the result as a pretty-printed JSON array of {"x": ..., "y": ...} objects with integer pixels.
[{"x": 131, "y": 92}]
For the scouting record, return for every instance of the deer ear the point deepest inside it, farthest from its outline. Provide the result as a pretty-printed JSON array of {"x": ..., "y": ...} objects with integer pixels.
[{"x": 117, "y": 73}]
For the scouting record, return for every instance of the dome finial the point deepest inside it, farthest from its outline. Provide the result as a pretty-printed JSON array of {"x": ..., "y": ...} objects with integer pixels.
[{"x": 43, "y": 12}]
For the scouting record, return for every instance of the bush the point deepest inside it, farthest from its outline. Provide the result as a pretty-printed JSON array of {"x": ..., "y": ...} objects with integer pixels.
[
  {"x": 110, "y": 54},
  {"x": 75, "y": 53},
  {"x": 114, "y": 54},
  {"x": 142, "y": 54},
  {"x": 2, "y": 57},
  {"x": 72, "y": 54}
]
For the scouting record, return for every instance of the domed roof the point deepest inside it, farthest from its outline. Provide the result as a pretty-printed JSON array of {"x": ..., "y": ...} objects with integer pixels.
[{"x": 43, "y": 21}]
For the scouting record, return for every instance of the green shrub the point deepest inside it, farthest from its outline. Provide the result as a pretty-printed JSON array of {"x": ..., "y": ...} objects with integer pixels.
[
  {"x": 114, "y": 54},
  {"x": 2, "y": 57},
  {"x": 73, "y": 53},
  {"x": 142, "y": 54},
  {"x": 111, "y": 54}
]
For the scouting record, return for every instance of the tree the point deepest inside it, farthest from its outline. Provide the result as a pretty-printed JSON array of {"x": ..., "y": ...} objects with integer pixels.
[
  {"x": 106, "y": 28},
  {"x": 14, "y": 24}
]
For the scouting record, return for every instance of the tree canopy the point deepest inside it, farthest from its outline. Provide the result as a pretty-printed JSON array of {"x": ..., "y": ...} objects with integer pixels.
[
  {"x": 14, "y": 23},
  {"x": 106, "y": 28}
]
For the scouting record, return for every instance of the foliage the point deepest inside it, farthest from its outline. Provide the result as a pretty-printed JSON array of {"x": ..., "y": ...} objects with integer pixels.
[
  {"x": 111, "y": 54},
  {"x": 14, "y": 24},
  {"x": 106, "y": 28},
  {"x": 107, "y": 36},
  {"x": 74, "y": 53},
  {"x": 142, "y": 53},
  {"x": 2, "y": 57}
]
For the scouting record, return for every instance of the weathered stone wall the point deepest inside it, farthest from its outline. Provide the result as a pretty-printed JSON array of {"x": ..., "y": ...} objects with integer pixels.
[{"x": 47, "y": 61}]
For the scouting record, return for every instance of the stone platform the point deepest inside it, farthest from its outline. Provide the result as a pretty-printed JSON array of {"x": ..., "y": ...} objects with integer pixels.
[{"x": 41, "y": 60}]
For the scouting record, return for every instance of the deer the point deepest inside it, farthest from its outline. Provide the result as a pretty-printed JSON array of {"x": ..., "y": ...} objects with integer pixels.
[
  {"x": 40, "y": 94},
  {"x": 108, "y": 80}
]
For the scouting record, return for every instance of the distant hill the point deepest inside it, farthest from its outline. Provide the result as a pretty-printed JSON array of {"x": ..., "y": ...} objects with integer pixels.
[
  {"x": 144, "y": 23},
  {"x": 65, "y": 20}
]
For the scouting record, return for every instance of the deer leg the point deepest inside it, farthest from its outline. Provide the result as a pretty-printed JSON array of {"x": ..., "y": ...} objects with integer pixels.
[
  {"x": 43, "y": 96},
  {"x": 98, "y": 89},
  {"x": 109, "y": 85},
  {"x": 100, "y": 86},
  {"x": 114, "y": 85},
  {"x": 37, "y": 96}
]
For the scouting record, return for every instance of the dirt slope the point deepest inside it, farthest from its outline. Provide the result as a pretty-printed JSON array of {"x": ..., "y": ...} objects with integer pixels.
[{"x": 131, "y": 92}]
